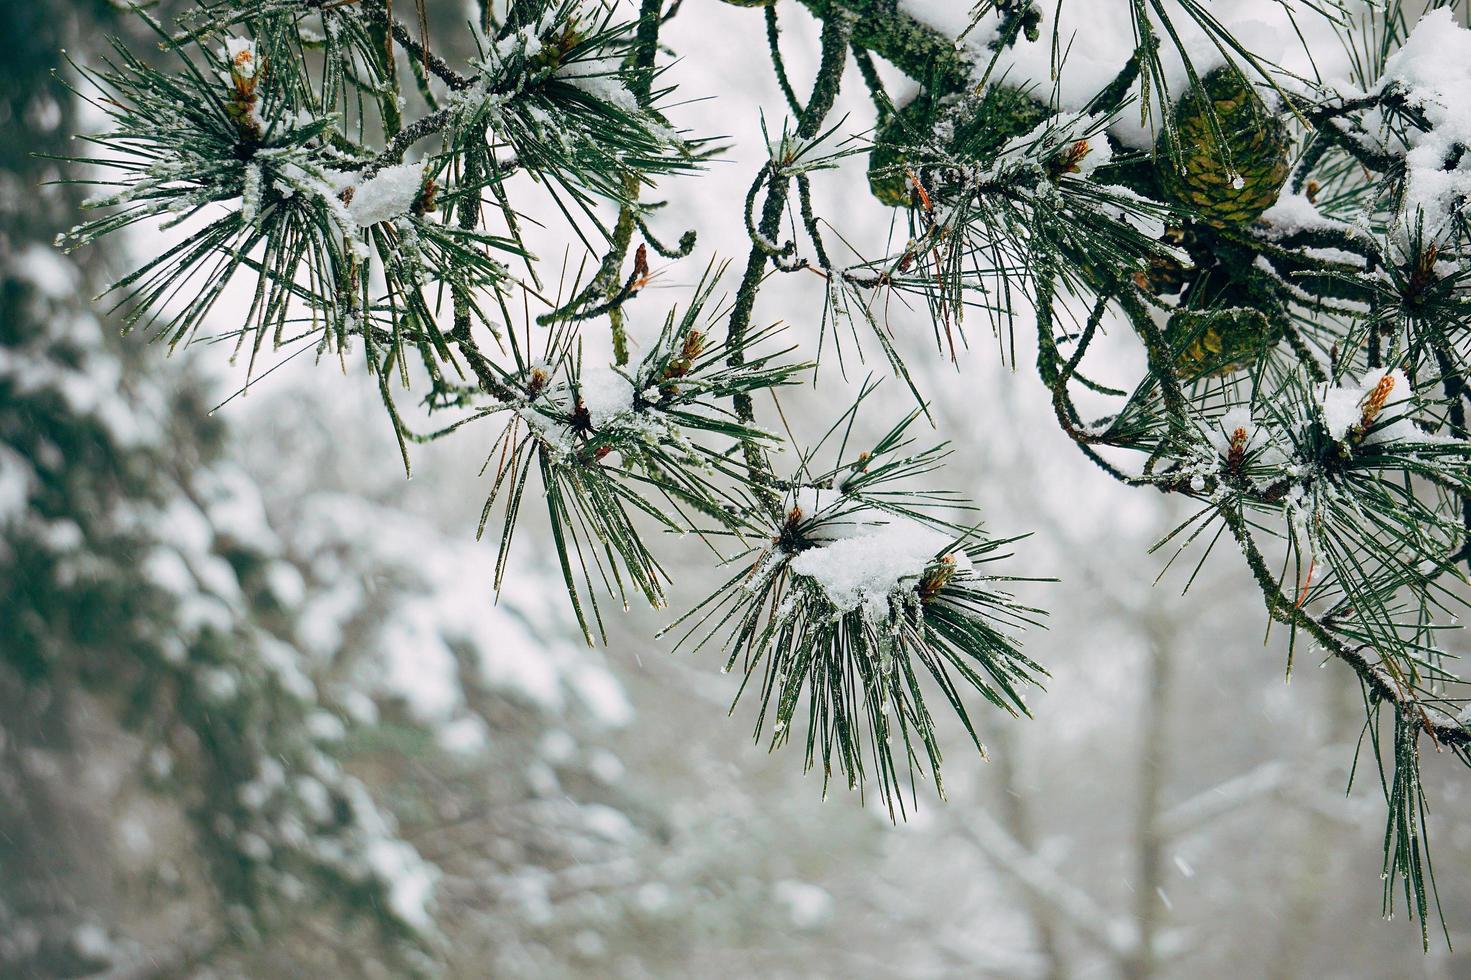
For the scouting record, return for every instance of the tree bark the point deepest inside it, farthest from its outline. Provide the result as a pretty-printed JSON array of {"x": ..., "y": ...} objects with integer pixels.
[
  {"x": 1153, "y": 766},
  {"x": 920, "y": 52}
]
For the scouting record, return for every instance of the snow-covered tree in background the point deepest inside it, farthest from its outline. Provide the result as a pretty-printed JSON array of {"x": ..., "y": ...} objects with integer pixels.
[
  {"x": 191, "y": 673},
  {"x": 1282, "y": 246}
]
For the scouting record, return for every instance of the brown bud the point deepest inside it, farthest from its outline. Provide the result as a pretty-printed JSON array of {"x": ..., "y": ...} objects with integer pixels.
[
  {"x": 1374, "y": 404},
  {"x": 428, "y": 198},
  {"x": 1237, "y": 450}
]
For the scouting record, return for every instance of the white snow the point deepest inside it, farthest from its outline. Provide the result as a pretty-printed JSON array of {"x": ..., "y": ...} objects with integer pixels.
[
  {"x": 1343, "y": 408},
  {"x": 1099, "y": 153},
  {"x": 250, "y": 194},
  {"x": 233, "y": 505},
  {"x": 386, "y": 195},
  {"x": 409, "y": 879},
  {"x": 812, "y": 501},
  {"x": 285, "y": 583},
  {"x": 1394, "y": 421},
  {"x": 951, "y": 19},
  {"x": 601, "y": 694},
  {"x": 419, "y": 667},
  {"x": 865, "y": 568},
  {"x": 240, "y": 53},
  {"x": 1238, "y": 418},
  {"x": 325, "y": 726},
  {"x": 464, "y": 736},
  {"x": 1227, "y": 426},
  {"x": 606, "y": 822},
  {"x": 600, "y": 81},
  {"x": 16, "y": 482},
  {"x": 90, "y": 941},
  {"x": 606, "y": 394},
  {"x": 518, "y": 645},
  {"x": 1434, "y": 65},
  {"x": 832, "y": 515},
  {"x": 284, "y": 663},
  {"x": 1294, "y": 212},
  {"x": 48, "y": 271}
]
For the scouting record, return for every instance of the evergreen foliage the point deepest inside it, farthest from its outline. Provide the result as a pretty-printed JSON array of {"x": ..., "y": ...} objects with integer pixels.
[
  {"x": 1291, "y": 256},
  {"x": 224, "y": 662},
  {"x": 130, "y": 578}
]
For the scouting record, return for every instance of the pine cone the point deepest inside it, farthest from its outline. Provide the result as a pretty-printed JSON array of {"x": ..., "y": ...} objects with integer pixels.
[
  {"x": 1220, "y": 342},
  {"x": 973, "y": 128},
  {"x": 1232, "y": 185},
  {"x": 1164, "y": 277}
]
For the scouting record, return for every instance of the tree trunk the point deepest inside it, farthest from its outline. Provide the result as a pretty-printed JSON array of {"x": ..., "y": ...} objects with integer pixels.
[
  {"x": 1153, "y": 764},
  {"x": 52, "y": 881}
]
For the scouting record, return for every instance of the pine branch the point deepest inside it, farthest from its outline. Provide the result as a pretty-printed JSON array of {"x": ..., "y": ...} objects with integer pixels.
[
  {"x": 1257, "y": 310},
  {"x": 835, "y": 31},
  {"x": 920, "y": 52},
  {"x": 1286, "y": 609}
]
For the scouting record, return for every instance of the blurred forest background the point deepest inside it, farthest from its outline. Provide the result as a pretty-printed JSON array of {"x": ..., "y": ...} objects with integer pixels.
[{"x": 244, "y": 662}]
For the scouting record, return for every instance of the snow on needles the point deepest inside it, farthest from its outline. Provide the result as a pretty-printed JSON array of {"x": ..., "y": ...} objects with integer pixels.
[
  {"x": 1235, "y": 420},
  {"x": 1434, "y": 69},
  {"x": 605, "y": 393},
  {"x": 1344, "y": 407},
  {"x": 388, "y": 194},
  {"x": 863, "y": 570},
  {"x": 240, "y": 53}
]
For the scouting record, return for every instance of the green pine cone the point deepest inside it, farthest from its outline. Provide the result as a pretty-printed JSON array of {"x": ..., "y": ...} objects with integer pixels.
[
  {"x": 1220, "y": 342},
  {"x": 1231, "y": 186},
  {"x": 979, "y": 128}
]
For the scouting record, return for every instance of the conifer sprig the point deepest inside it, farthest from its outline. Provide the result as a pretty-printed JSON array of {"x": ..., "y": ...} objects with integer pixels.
[
  {"x": 1305, "y": 377},
  {"x": 609, "y": 444},
  {"x": 857, "y": 601},
  {"x": 1292, "y": 267}
]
